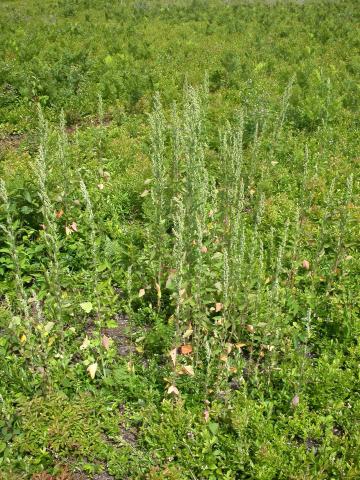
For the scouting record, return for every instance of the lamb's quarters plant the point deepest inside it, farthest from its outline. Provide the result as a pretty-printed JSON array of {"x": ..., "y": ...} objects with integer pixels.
[{"x": 179, "y": 240}]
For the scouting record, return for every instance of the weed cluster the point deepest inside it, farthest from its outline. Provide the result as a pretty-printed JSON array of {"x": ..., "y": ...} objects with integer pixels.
[{"x": 178, "y": 294}]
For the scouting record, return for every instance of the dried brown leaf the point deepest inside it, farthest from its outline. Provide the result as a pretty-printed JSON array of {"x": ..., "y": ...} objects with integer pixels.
[
  {"x": 185, "y": 349},
  {"x": 173, "y": 389},
  {"x": 105, "y": 342},
  {"x": 218, "y": 307},
  {"x": 173, "y": 354},
  {"x": 188, "y": 369}
]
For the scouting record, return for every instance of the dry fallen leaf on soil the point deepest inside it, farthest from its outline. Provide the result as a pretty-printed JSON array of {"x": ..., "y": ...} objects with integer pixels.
[
  {"x": 59, "y": 214},
  {"x": 250, "y": 328},
  {"x": 141, "y": 292},
  {"x": 74, "y": 226},
  {"x": 295, "y": 401}
]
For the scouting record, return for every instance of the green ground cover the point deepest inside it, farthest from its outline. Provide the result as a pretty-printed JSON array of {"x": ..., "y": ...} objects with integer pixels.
[{"x": 179, "y": 234}]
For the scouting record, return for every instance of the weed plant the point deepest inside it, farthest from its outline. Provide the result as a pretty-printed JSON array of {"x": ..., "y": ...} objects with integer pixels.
[{"x": 179, "y": 241}]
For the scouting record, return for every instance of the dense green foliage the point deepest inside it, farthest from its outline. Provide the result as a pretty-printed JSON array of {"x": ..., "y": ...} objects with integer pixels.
[{"x": 179, "y": 240}]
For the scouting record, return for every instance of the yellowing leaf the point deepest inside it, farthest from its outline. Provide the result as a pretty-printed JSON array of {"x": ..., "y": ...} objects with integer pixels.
[
  {"x": 86, "y": 306},
  {"x": 173, "y": 354},
  {"x": 48, "y": 327},
  {"x": 173, "y": 390},
  {"x": 101, "y": 186},
  {"x": 68, "y": 230},
  {"x": 141, "y": 292},
  {"x": 188, "y": 332},
  {"x": 158, "y": 290},
  {"x": 92, "y": 369},
  {"x": 23, "y": 338},
  {"x": 145, "y": 193},
  {"x": 85, "y": 344},
  {"x": 188, "y": 369},
  {"x": 170, "y": 278}
]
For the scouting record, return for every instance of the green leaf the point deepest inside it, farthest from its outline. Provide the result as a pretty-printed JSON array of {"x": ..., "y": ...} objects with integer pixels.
[
  {"x": 112, "y": 323},
  {"x": 86, "y": 306},
  {"x": 213, "y": 427}
]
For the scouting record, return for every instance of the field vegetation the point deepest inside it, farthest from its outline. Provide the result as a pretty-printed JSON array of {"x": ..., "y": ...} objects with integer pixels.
[{"x": 179, "y": 241}]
